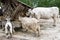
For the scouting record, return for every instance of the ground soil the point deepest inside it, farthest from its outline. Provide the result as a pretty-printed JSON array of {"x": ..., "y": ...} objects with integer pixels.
[{"x": 48, "y": 32}]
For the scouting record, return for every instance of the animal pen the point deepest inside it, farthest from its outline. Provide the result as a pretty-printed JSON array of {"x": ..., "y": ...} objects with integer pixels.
[{"x": 14, "y": 9}]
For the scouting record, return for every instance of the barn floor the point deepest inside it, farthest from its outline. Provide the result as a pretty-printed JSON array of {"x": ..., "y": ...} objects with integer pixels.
[{"x": 48, "y": 32}]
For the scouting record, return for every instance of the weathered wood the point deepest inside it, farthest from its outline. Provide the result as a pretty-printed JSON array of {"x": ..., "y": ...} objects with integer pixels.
[
  {"x": 13, "y": 8},
  {"x": 15, "y": 12}
]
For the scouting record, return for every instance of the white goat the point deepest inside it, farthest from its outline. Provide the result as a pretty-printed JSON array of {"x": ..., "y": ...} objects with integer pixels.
[
  {"x": 44, "y": 12},
  {"x": 30, "y": 24},
  {"x": 8, "y": 24}
]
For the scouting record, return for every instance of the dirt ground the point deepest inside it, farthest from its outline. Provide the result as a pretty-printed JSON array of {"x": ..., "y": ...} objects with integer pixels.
[{"x": 48, "y": 32}]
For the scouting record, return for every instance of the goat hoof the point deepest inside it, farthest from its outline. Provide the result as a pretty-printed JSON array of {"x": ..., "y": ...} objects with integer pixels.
[
  {"x": 10, "y": 35},
  {"x": 37, "y": 35},
  {"x": 54, "y": 25},
  {"x": 7, "y": 37}
]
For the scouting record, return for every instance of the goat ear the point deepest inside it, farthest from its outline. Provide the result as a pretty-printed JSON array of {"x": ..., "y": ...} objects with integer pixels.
[
  {"x": 29, "y": 10},
  {"x": 19, "y": 17},
  {"x": 0, "y": 7}
]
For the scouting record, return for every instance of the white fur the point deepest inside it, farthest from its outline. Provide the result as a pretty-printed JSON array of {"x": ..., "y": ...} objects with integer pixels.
[
  {"x": 8, "y": 23},
  {"x": 0, "y": 7},
  {"x": 45, "y": 12},
  {"x": 30, "y": 24}
]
